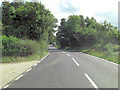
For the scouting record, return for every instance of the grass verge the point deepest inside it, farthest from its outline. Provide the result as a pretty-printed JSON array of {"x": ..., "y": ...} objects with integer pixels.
[
  {"x": 19, "y": 50},
  {"x": 12, "y": 59},
  {"x": 113, "y": 58}
]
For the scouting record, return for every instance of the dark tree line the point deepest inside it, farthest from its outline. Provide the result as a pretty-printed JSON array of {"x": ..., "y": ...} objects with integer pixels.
[{"x": 80, "y": 31}]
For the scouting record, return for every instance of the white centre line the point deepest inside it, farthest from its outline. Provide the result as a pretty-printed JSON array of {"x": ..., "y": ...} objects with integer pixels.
[
  {"x": 19, "y": 77},
  {"x": 68, "y": 54},
  {"x": 75, "y": 62},
  {"x": 6, "y": 86},
  {"x": 28, "y": 69},
  {"x": 91, "y": 81}
]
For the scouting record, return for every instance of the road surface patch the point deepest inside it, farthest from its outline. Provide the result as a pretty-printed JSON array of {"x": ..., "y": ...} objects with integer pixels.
[
  {"x": 75, "y": 62},
  {"x": 91, "y": 81},
  {"x": 64, "y": 52}
]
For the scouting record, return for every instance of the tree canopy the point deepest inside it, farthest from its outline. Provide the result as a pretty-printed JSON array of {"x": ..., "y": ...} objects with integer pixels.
[
  {"x": 78, "y": 31},
  {"x": 29, "y": 20}
]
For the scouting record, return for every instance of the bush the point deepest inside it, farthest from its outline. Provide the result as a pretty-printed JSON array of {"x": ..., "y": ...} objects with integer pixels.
[
  {"x": 10, "y": 46},
  {"x": 13, "y": 46},
  {"x": 34, "y": 47},
  {"x": 115, "y": 48}
]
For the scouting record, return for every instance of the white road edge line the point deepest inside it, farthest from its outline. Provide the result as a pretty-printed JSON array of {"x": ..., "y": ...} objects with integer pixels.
[
  {"x": 67, "y": 54},
  {"x": 75, "y": 62},
  {"x": 43, "y": 58},
  {"x": 19, "y": 77},
  {"x": 6, "y": 86},
  {"x": 102, "y": 59},
  {"x": 39, "y": 61},
  {"x": 35, "y": 65},
  {"x": 91, "y": 81},
  {"x": 110, "y": 62},
  {"x": 28, "y": 69}
]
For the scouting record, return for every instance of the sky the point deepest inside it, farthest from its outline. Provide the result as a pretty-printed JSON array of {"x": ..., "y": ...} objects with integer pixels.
[{"x": 99, "y": 9}]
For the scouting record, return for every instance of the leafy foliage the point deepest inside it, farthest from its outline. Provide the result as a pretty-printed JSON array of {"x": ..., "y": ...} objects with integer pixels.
[
  {"x": 27, "y": 20},
  {"x": 13, "y": 46},
  {"x": 10, "y": 45},
  {"x": 80, "y": 31},
  {"x": 27, "y": 27}
]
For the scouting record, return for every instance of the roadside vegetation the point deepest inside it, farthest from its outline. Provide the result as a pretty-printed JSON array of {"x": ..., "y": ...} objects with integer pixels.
[
  {"x": 17, "y": 50},
  {"x": 89, "y": 36},
  {"x": 27, "y": 29}
]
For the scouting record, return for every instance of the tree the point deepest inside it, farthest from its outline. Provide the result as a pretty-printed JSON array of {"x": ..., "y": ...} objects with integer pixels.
[
  {"x": 61, "y": 34},
  {"x": 77, "y": 31},
  {"x": 27, "y": 20}
]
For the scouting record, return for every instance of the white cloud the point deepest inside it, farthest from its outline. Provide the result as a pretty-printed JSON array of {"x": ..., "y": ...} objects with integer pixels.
[
  {"x": 65, "y": 5},
  {"x": 83, "y": 7}
]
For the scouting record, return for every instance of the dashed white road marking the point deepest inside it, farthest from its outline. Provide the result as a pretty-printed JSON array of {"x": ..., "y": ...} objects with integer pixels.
[
  {"x": 63, "y": 52},
  {"x": 45, "y": 56},
  {"x": 6, "y": 86},
  {"x": 91, "y": 81},
  {"x": 75, "y": 62},
  {"x": 67, "y": 54},
  {"x": 35, "y": 65},
  {"x": 39, "y": 61},
  {"x": 28, "y": 69},
  {"x": 19, "y": 77}
]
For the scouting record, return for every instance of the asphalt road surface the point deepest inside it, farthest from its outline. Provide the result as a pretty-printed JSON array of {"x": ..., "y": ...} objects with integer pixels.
[{"x": 62, "y": 69}]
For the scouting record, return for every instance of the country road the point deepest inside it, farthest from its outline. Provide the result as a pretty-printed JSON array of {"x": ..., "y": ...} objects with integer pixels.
[{"x": 65, "y": 69}]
